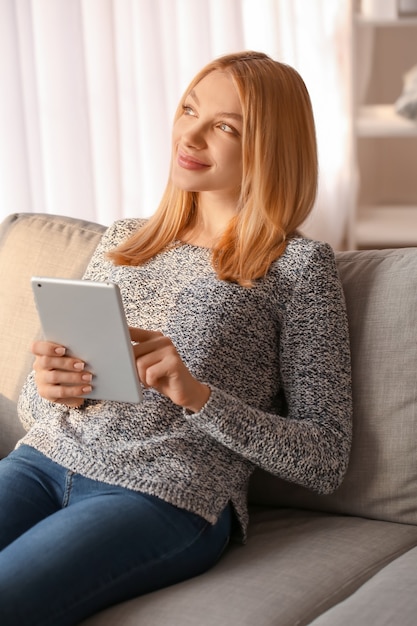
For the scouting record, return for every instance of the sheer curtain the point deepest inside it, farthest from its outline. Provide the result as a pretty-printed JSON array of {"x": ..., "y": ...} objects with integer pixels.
[{"x": 88, "y": 89}]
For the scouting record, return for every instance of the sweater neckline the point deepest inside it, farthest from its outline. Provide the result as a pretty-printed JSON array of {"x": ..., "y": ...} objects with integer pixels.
[{"x": 179, "y": 243}]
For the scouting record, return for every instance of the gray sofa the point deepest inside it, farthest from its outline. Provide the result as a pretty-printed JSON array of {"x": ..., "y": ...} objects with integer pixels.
[{"x": 348, "y": 558}]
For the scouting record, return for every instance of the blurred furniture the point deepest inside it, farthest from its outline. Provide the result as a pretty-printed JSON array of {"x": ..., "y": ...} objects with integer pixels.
[{"x": 384, "y": 209}]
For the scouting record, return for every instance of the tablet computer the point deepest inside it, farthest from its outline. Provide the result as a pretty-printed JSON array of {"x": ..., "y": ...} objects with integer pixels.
[{"x": 88, "y": 318}]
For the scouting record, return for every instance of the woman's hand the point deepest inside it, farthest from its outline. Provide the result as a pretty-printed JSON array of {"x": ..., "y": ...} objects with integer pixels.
[
  {"x": 160, "y": 366},
  {"x": 59, "y": 378}
]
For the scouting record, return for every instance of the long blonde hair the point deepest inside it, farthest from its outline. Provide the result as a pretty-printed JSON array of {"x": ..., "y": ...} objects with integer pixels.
[{"x": 279, "y": 178}]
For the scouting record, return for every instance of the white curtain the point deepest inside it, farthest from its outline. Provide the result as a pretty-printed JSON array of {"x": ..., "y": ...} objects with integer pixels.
[{"x": 88, "y": 89}]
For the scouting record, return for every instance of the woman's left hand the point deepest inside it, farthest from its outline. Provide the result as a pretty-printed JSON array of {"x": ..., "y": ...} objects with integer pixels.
[{"x": 160, "y": 367}]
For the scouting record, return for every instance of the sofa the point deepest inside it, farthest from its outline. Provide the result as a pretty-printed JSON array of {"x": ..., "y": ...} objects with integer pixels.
[{"x": 336, "y": 560}]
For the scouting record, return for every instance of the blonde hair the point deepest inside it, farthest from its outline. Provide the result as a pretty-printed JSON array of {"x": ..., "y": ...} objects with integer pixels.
[{"x": 279, "y": 178}]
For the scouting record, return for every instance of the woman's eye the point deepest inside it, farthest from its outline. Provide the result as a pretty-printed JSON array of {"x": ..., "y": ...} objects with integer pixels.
[
  {"x": 187, "y": 110},
  {"x": 227, "y": 129}
]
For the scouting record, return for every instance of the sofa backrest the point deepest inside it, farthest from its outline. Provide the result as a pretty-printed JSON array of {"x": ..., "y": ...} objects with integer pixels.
[
  {"x": 31, "y": 244},
  {"x": 381, "y": 482},
  {"x": 381, "y": 293}
]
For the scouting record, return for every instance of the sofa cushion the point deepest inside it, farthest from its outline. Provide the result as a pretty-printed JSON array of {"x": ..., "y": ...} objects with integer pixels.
[
  {"x": 389, "y": 597},
  {"x": 295, "y": 566},
  {"x": 31, "y": 244},
  {"x": 381, "y": 482}
]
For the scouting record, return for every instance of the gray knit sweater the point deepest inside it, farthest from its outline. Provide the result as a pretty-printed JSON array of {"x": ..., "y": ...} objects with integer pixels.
[{"x": 276, "y": 357}]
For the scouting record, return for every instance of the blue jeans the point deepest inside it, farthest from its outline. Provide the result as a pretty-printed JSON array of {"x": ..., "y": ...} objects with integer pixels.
[{"x": 71, "y": 546}]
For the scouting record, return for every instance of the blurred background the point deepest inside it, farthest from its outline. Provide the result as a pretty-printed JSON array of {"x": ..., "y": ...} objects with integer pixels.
[{"x": 88, "y": 89}]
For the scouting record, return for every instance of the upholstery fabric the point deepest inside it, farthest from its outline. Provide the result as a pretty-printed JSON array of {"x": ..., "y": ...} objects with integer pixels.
[
  {"x": 295, "y": 565},
  {"x": 380, "y": 601},
  {"x": 32, "y": 244},
  {"x": 380, "y": 288}
]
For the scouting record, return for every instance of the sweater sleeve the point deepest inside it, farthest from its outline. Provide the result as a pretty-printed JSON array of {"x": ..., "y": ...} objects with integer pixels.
[
  {"x": 31, "y": 405},
  {"x": 308, "y": 443}
]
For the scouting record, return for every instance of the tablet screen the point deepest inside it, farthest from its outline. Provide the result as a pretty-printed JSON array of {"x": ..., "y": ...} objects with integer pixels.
[{"x": 88, "y": 318}]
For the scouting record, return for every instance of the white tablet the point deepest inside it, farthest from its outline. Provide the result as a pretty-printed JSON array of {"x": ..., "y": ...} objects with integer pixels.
[{"x": 88, "y": 319}]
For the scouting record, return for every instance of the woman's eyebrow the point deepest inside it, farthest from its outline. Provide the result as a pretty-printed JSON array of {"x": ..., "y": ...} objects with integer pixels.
[
  {"x": 235, "y": 116},
  {"x": 194, "y": 96}
]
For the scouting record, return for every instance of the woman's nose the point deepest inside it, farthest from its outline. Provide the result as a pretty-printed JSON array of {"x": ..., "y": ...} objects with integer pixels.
[{"x": 195, "y": 136}]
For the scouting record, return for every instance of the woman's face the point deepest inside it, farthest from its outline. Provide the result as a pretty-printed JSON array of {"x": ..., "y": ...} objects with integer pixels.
[{"x": 207, "y": 145}]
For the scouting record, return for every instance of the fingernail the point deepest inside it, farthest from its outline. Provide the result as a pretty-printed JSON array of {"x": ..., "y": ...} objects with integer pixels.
[
  {"x": 87, "y": 389},
  {"x": 60, "y": 351},
  {"x": 79, "y": 365},
  {"x": 87, "y": 377}
]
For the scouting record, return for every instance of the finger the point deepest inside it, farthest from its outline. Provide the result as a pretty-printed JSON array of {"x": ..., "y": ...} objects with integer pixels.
[
  {"x": 155, "y": 365},
  {"x": 145, "y": 362},
  {"x": 140, "y": 334},
  {"x": 48, "y": 393},
  {"x": 47, "y": 348},
  {"x": 156, "y": 373},
  {"x": 59, "y": 363},
  {"x": 58, "y": 377},
  {"x": 63, "y": 393},
  {"x": 156, "y": 344}
]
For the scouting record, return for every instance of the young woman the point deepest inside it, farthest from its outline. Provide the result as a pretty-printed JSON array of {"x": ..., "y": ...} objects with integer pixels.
[{"x": 242, "y": 350}]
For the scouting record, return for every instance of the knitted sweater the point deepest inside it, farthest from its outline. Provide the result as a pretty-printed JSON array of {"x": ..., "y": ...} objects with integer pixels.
[{"x": 276, "y": 357}]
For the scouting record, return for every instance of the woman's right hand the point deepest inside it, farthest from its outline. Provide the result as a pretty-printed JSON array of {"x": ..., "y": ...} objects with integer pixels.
[{"x": 60, "y": 378}]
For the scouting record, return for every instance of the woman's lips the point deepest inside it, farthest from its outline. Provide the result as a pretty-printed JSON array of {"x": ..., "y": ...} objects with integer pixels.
[{"x": 190, "y": 163}]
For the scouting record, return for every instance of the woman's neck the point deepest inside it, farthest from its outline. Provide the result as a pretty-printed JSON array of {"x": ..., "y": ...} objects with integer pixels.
[
  {"x": 199, "y": 236},
  {"x": 210, "y": 223}
]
